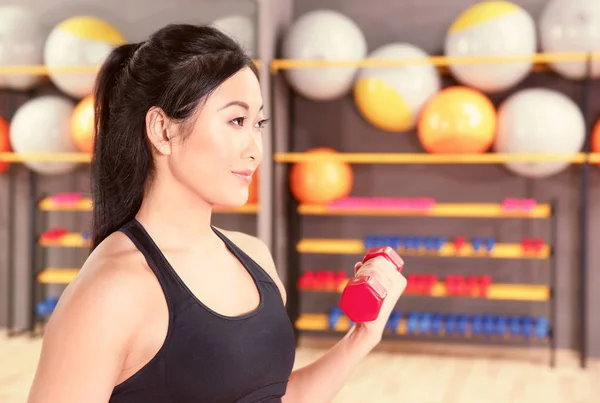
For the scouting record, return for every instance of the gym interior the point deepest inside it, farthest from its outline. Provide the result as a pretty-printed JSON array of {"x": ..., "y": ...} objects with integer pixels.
[{"x": 464, "y": 134}]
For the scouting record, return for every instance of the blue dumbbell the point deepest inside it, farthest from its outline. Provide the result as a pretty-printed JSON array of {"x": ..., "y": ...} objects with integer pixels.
[
  {"x": 542, "y": 328},
  {"x": 394, "y": 321},
  {"x": 490, "y": 242},
  {"x": 436, "y": 323},
  {"x": 501, "y": 325},
  {"x": 334, "y": 316},
  {"x": 514, "y": 326},
  {"x": 527, "y": 326},
  {"x": 369, "y": 242},
  {"x": 476, "y": 243},
  {"x": 420, "y": 242},
  {"x": 451, "y": 323},
  {"x": 409, "y": 243},
  {"x": 395, "y": 241},
  {"x": 86, "y": 235},
  {"x": 489, "y": 325},
  {"x": 439, "y": 243},
  {"x": 412, "y": 323},
  {"x": 477, "y": 325},
  {"x": 462, "y": 324},
  {"x": 425, "y": 322},
  {"x": 350, "y": 323}
]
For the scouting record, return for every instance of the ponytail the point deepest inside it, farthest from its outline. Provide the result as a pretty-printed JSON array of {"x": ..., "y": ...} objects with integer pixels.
[{"x": 117, "y": 178}]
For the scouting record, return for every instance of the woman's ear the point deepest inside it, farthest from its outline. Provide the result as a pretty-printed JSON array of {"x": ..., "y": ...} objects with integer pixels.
[{"x": 157, "y": 128}]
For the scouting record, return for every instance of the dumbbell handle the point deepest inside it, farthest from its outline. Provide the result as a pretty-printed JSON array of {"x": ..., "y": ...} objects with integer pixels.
[{"x": 363, "y": 296}]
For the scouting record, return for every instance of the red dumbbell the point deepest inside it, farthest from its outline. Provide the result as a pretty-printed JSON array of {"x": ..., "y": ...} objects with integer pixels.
[{"x": 363, "y": 295}]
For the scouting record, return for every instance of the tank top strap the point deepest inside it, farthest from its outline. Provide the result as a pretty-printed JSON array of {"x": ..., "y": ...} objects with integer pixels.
[
  {"x": 158, "y": 264},
  {"x": 255, "y": 269}
]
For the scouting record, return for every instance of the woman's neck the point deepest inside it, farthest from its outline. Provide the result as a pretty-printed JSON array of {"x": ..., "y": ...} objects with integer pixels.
[{"x": 174, "y": 216}]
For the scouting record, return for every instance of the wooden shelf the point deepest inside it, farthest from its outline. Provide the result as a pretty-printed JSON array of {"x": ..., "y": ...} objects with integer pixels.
[
  {"x": 355, "y": 247},
  {"x": 464, "y": 210},
  {"x": 426, "y": 158},
  {"x": 57, "y": 276},
  {"x": 85, "y": 204},
  {"x": 495, "y": 291}
]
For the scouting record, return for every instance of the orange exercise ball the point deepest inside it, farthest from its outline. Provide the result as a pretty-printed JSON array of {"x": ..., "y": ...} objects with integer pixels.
[
  {"x": 253, "y": 189},
  {"x": 82, "y": 125},
  {"x": 595, "y": 139},
  {"x": 458, "y": 120},
  {"x": 321, "y": 182},
  {"x": 4, "y": 143}
]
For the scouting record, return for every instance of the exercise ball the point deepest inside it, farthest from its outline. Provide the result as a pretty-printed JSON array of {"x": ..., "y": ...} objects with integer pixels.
[
  {"x": 458, "y": 120},
  {"x": 323, "y": 35},
  {"x": 82, "y": 125},
  {"x": 595, "y": 139},
  {"x": 491, "y": 28},
  {"x": 43, "y": 125},
  {"x": 21, "y": 44},
  {"x": 320, "y": 182},
  {"x": 82, "y": 41},
  {"x": 571, "y": 26},
  {"x": 4, "y": 143},
  {"x": 539, "y": 121},
  {"x": 391, "y": 98},
  {"x": 241, "y": 28},
  {"x": 253, "y": 189}
]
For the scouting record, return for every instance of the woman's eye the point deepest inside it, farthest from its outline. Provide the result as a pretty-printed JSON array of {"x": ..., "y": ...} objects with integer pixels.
[
  {"x": 262, "y": 123},
  {"x": 239, "y": 121}
]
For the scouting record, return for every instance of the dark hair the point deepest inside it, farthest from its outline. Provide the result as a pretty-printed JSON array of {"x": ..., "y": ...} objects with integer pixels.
[{"x": 175, "y": 69}]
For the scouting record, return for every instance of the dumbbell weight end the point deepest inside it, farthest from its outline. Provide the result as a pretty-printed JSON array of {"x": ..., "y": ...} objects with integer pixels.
[{"x": 363, "y": 295}]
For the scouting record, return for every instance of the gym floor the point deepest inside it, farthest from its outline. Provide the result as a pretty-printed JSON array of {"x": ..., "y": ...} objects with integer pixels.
[{"x": 417, "y": 374}]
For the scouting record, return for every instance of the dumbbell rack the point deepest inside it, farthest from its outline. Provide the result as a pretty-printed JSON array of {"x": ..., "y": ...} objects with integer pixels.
[
  {"x": 332, "y": 322},
  {"x": 42, "y": 276}
]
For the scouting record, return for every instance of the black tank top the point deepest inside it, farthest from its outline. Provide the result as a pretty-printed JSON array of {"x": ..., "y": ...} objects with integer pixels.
[{"x": 207, "y": 357}]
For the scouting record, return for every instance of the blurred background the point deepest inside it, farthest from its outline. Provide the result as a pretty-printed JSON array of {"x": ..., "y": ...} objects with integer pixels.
[{"x": 463, "y": 133}]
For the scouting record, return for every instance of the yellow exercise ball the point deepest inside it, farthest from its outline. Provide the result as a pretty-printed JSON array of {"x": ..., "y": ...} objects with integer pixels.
[
  {"x": 494, "y": 29},
  {"x": 82, "y": 41},
  {"x": 391, "y": 98}
]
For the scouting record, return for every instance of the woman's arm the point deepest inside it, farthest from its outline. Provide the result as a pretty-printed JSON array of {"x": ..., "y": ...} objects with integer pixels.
[
  {"x": 86, "y": 339},
  {"x": 320, "y": 381}
]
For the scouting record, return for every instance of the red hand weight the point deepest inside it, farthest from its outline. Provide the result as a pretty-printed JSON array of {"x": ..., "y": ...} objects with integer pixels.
[{"x": 363, "y": 295}]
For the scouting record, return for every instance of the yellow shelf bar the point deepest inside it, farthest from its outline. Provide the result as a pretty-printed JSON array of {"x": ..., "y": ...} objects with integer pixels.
[
  {"x": 355, "y": 247},
  {"x": 439, "y": 210},
  {"x": 57, "y": 276},
  {"x": 355, "y": 158},
  {"x": 426, "y": 158},
  {"x": 319, "y": 322},
  {"x": 496, "y": 291},
  {"x": 43, "y": 70},
  {"x": 85, "y": 204},
  {"x": 69, "y": 240},
  {"x": 286, "y": 64}
]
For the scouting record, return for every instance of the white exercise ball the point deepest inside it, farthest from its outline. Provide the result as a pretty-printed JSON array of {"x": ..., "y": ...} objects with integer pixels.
[
  {"x": 21, "y": 44},
  {"x": 76, "y": 42},
  {"x": 43, "y": 125},
  {"x": 539, "y": 121},
  {"x": 495, "y": 29},
  {"x": 571, "y": 26},
  {"x": 323, "y": 35},
  {"x": 240, "y": 28},
  {"x": 391, "y": 98}
]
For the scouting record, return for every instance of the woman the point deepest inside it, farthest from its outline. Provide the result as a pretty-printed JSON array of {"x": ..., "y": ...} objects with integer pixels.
[{"x": 168, "y": 308}]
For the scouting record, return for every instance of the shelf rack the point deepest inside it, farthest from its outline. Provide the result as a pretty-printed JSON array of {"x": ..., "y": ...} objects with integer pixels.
[{"x": 283, "y": 157}]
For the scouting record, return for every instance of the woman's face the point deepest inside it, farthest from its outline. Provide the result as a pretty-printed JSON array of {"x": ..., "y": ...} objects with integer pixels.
[{"x": 218, "y": 158}]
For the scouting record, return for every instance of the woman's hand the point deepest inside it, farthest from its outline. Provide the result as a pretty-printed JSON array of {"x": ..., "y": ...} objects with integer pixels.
[{"x": 394, "y": 283}]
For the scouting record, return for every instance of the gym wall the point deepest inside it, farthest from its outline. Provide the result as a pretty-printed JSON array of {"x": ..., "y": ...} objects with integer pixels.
[{"x": 338, "y": 125}]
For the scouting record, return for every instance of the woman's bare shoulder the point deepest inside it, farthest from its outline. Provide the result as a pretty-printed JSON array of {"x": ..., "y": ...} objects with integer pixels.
[{"x": 88, "y": 335}]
